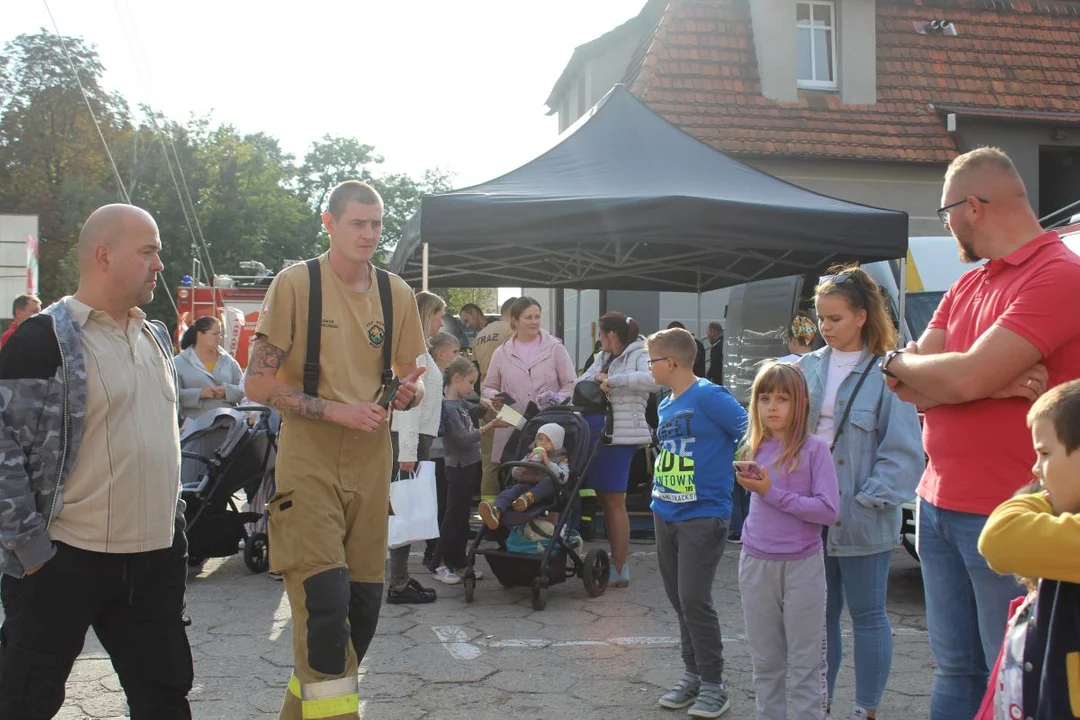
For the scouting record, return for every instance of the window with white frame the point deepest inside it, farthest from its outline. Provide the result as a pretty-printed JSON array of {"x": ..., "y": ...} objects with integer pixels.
[{"x": 815, "y": 31}]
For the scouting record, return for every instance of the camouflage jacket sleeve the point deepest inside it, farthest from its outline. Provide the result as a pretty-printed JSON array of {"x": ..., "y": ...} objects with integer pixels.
[{"x": 28, "y": 363}]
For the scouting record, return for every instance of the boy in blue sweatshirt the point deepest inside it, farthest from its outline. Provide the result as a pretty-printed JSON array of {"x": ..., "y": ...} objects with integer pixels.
[{"x": 701, "y": 425}]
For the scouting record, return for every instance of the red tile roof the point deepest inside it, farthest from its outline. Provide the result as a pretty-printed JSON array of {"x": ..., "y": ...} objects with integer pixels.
[{"x": 1011, "y": 58}]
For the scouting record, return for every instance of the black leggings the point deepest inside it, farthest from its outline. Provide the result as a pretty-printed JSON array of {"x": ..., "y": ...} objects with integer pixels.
[{"x": 454, "y": 532}]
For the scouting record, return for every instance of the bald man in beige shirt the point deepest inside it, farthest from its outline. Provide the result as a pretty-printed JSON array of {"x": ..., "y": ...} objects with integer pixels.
[{"x": 90, "y": 519}]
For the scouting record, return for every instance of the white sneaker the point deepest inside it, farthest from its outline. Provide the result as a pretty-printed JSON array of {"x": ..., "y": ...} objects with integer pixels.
[
  {"x": 476, "y": 572},
  {"x": 859, "y": 713},
  {"x": 445, "y": 575}
]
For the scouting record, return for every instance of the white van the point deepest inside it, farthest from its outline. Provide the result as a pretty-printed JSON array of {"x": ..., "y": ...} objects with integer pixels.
[{"x": 759, "y": 313}]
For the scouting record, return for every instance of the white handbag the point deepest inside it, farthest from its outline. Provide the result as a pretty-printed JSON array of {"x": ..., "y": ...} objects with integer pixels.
[{"x": 415, "y": 504}]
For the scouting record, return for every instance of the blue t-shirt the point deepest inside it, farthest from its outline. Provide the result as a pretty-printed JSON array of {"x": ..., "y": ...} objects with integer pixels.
[{"x": 699, "y": 433}]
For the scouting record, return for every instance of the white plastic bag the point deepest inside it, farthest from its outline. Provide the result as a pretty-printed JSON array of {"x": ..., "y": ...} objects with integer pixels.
[{"x": 415, "y": 505}]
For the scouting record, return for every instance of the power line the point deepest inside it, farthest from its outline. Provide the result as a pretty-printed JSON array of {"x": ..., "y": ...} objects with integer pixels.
[
  {"x": 97, "y": 125},
  {"x": 168, "y": 293},
  {"x": 86, "y": 98},
  {"x": 144, "y": 73},
  {"x": 172, "y": 143}
]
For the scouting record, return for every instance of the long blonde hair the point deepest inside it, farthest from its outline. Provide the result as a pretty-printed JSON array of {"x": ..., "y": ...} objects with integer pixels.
[
  {"x": 428, "y": 304},
  {"x": 785, "y": 378}
]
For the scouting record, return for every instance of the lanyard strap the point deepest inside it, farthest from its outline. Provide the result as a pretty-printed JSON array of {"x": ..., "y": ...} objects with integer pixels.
[{"x": 851, "y": 402}]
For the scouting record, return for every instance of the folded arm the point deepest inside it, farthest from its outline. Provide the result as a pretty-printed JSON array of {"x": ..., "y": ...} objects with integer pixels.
[
  {"x": 233, "y": 393},
  {"x": 997, "y": 358},
  {"x": 1024, "y": 537}
]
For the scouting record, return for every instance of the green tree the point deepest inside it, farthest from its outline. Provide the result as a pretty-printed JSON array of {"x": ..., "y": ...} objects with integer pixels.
[
  {"x": 456, "y": 298},
  {"x": 52, "y": 161},
  {"x": 219, "y": 196},
  {"x": 333, "y": 160},
  {"x": 242, "y": 200}
]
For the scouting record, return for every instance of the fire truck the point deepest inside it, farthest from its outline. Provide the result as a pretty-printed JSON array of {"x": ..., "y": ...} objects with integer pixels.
[{"x": 235, "y": 300}]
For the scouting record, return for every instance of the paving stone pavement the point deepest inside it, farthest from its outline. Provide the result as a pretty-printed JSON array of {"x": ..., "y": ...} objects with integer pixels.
[{"x": 581, "y": 658}]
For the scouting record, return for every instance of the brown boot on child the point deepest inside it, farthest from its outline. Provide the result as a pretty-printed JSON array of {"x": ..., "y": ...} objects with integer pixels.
[{"x": 524, "y": 502}]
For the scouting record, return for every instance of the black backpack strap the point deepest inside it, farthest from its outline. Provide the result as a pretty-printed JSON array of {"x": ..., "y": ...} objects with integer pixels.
[
  {"x": 386, "y": 300},
  {"x": 851, "y": 402},
  {"x": 314, "y": 328}
]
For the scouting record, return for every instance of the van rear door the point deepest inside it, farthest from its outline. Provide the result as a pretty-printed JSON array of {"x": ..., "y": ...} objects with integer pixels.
[{"x": 756, "y": 329}]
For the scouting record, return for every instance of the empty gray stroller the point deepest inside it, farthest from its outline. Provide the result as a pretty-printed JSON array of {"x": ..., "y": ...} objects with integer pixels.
[{"x": 223, "y": 452}]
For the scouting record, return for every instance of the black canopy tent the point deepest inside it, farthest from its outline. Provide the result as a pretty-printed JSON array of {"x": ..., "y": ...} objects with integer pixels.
[{"x": 626, "y": 200}]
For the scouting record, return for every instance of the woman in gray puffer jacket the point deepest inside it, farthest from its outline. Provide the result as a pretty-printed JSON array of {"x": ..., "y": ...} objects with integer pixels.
[{"x": 622, "y": 369}]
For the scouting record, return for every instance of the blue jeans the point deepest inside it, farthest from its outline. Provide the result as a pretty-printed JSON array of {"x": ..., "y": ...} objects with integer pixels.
[
  {"x": 740, "y": 508},
  {"x": 863, "y": 582},
  {"x": 967, "y": 607}
]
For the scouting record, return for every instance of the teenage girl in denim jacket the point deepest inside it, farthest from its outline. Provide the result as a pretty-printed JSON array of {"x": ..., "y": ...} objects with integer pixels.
[{"x": 879, "y": 459}]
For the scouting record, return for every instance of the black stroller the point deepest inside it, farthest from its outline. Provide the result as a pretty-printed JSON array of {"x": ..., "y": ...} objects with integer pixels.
[
  {"x": 559, "y": 560},
  {"x": 222, "y": 452}
]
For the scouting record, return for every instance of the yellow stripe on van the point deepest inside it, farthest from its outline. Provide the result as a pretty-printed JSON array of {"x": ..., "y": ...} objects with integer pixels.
[{"x": 914, "y": 281}]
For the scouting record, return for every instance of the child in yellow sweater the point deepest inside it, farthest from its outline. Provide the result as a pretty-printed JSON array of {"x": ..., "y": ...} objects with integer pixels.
[{"x": 1037, "y": 535}]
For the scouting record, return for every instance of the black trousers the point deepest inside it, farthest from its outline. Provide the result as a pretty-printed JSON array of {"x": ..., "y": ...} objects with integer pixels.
[
  {"x": 134, "y": 603},
  {"x": 440, "y": 492},
  {"x": 454, "y": 529}
]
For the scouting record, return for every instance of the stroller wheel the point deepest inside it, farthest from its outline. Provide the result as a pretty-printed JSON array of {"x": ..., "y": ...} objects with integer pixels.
[
  {"x": 539, "y": 594},
  {"x": 470, "y": 586},
  {"x": 596, "y": 572},
  {"x": 257, "y": 553}
]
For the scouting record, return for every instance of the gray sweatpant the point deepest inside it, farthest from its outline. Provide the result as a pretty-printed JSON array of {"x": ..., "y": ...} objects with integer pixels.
[
  {"x": 784, "y": 609},
  {"x": 688, "y": 553}
]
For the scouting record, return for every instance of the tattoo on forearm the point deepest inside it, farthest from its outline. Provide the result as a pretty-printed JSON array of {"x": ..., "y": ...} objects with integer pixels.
[
  {"x": 288, "y": 399},
  {"x": 265, "y": 362}
]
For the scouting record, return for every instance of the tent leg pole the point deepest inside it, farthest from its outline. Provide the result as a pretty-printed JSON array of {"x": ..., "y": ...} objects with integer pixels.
[
  {"x": 424, "y": 285},
  {"x": 577, "y": 327},
  {"x": 902, "y": 320},
  {"x": 699, "y": 330}
]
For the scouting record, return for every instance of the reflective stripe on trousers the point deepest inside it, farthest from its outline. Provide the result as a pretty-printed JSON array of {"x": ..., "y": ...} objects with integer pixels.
[{"x": 327, "y": 699}]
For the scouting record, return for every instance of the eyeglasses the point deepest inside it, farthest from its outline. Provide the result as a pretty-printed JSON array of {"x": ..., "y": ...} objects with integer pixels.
[
  {"x": 943, "y": 213},
  {"x": 656, "y": 360}
]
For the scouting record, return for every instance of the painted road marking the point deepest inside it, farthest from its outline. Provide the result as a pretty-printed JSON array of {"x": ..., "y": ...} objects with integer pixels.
[{"x": 456, "y": 642}]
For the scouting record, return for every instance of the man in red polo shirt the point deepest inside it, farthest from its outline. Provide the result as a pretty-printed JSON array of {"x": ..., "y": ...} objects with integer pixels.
[
  {"x": 1003, "y": 334},
  {"x": 23, "y": 307}
]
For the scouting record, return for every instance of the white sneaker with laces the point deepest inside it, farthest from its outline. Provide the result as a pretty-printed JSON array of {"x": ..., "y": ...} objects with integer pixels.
[{"x": 445, "y": 575}]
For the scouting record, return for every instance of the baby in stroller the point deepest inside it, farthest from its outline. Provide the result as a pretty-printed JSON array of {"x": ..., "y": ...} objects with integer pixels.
[{"x": 531, "y": 485}]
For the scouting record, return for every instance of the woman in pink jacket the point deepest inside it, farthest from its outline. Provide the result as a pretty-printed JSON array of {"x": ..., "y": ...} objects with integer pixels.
[{"x": 531, "y": 362}]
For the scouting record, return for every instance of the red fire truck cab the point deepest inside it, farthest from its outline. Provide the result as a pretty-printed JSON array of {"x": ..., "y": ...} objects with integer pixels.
[{"x": 235, "y": 300}]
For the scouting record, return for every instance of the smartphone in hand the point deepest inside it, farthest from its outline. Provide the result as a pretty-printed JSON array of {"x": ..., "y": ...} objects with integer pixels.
[
  {"x": 747, "y": 467},
  {"x": 388, "y": 394}
]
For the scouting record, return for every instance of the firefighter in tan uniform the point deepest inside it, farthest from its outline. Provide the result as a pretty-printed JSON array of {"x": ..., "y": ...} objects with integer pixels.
[
  {"x": 489, "y": 336},
  {"x": 328, "y": 518}
]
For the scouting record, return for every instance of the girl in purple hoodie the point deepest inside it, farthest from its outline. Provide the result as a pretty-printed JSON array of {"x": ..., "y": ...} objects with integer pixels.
[{"x": 792, "y": 480}]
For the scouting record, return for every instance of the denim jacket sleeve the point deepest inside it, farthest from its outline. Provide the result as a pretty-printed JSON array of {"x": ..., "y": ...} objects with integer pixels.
[{"x": 900, "y": 458}]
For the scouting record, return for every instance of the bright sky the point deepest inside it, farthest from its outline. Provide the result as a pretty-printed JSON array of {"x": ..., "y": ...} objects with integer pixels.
[{"x": 427, "y": 82}]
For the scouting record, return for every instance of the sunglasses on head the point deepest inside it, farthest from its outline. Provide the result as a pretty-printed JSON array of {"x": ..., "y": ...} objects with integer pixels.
[{"x": 839, "y": 278}]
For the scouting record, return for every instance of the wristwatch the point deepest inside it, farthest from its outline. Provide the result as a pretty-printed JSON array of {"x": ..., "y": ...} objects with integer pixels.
[{"x": 889, "y": 357}]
